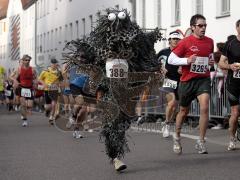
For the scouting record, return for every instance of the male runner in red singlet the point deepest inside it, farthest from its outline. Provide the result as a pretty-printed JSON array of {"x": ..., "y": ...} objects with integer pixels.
[
  {"x": 24, "y": 79},
  {"x": 194, "y": 54}
]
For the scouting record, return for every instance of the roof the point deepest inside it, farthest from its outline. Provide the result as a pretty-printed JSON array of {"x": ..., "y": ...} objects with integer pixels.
[
  {"x": 27, "y": 3},
  {"x": 3, "y": 8}
]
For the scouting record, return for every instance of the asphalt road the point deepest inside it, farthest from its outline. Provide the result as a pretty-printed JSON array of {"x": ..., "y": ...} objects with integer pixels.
[{"x": 41, "y": 152}]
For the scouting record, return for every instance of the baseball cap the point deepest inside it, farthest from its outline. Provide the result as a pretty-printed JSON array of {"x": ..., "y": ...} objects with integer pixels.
[
  {"x": 175, "y": 34},
  {"x": 54, "y": 61}
]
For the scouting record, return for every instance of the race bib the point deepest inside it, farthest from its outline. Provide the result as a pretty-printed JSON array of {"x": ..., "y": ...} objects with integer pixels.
[
  {"x": 117, "y": 68},
  {"x": 236, "y": 74},
  {"x": 53, "y": 87},
  {"x": 170, "y": 83},
  {"x": 200, "y": 66},
  {"x": 40, "y": 87},
  {"x": 8, "y": 93},
  {"x": 26, "y": 92}
]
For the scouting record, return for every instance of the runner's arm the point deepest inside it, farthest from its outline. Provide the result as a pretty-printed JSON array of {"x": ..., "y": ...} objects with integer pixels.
[
  {"x": 175, "y": 60},
  {"x": 14, "y": 75}
]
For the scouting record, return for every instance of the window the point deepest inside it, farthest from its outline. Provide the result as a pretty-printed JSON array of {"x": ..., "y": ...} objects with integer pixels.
[
  {"x": 56, "y": 4},
  {"x": 84, "y": 27},
  {"x": 199, "y": 6},
  {"x": 159, "y": 13},
  {"x": 40, "y": 44},
  {"x": 98, "y": 14},
  {"x": 60, "y": 35},
  {"x": 77, "y": 30},
  {"x": 48, "y": 42},
  {"x": 38, "y": 10},
  {"x": 51, "y": 39},
  {"x": 175, "y": 12},
  {"x": 91, "y": 22},
  {"x": 71, "y": 31},
  {"x": 44, "y": 42},
  {"x": 133, "y": 2},
  {"x": 225, "y": 7},
  {"x": 143, "y": 13},
  {"x": 55, "y": 38},
  {"x": 47, "y": 7},
  {"x": 117, "y": 6},
  {"x": 66, "y": 33}
]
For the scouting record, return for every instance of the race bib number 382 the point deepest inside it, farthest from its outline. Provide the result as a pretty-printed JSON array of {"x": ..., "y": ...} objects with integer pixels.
[{"x": 200, "y": 66}]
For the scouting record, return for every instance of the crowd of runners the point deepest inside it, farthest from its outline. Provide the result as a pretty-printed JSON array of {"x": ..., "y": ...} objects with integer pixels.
[{"x": 187, "y": 65}]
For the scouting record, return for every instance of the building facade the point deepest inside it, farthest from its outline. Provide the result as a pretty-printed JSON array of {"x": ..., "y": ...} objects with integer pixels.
[
  {"x": 41, "y": 28},
  {"x": 221, "y": 16}
]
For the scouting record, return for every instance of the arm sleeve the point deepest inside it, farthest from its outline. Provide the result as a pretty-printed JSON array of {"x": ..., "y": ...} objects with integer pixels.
[{"x": 175, "y": 60}]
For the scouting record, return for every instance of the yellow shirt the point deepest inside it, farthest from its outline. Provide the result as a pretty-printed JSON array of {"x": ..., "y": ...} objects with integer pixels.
[
  {"x": 2, "y": 73},
  {"x": 49, "y": 76}
]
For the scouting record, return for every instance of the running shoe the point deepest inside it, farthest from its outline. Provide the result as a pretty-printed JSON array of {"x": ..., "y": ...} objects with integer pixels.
[
  {"x": 119, "y": 165},
  {"x": 140, "y": 120},
  {"x": 77, "y": 135},
  {"x": 166, "y": 130},
  {"x": 70, "y": 122},
  {"x": 201, "y": 147},
  {"x": 25, "y": 123},
  {"x": 51, "y": 118},
  {"x": 177, "y": 147},
  {"x": 232, "y": 144}
]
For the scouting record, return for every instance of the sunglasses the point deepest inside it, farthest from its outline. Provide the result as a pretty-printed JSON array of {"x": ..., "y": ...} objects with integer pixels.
[
  {"x": 201, "y": 25},
  {"x": 176, "y": 39},
  {"x": 26, "y": 59}
]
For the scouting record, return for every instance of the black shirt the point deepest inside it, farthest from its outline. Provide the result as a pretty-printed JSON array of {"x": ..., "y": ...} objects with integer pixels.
[
  {"x": 232, "y": 52},
  {"x": 172, "y": 70}
]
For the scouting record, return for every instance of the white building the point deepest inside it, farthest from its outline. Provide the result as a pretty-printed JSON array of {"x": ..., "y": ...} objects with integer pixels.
[
  {"x": 44, "y": 27},
  {"x": 221, "y": 15}
]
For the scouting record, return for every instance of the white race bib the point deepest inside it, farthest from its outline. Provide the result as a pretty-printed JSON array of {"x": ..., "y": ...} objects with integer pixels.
[
  {"x": 236, "y": 74},
  {"x": 170, "y": 83},
  {"x": 53, "y": 87},
  {"x": 8, "y": 93},
  {"x": 200, "y": 66},
  {"x": 40, "y": 87},
  {"x": 117, "y": 68},
  {"x": 26, "y": 92}
]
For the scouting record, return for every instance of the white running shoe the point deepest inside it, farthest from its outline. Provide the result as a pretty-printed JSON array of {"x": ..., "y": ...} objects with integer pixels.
[
  {"x": 77, "y": 135},
  {"x": 201, "y": 147},
  {"x": 166, "y": 130},
  {"x": 119, "y": 165},
  {"x": 70, "y": 122},
  {"x": 177, "y": 147},
  {"x": 25, "y": 123},
  {"x": 140, "y": 120},
  {"x": 232, "y": 144}
]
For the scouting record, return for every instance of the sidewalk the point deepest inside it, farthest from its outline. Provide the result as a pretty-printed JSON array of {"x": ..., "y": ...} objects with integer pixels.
[{"x": 219, "y": 137}]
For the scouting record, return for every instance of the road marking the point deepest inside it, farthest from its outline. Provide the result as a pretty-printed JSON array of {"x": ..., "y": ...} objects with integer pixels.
[{"x": 194, "y": 137}]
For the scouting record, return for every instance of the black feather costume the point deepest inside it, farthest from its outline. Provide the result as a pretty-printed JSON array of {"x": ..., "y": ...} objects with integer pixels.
[{"x": 115, "y": 37}]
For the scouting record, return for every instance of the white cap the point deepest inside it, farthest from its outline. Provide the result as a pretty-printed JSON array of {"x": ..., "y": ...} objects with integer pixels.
[{"x": 175, "y": 34}]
